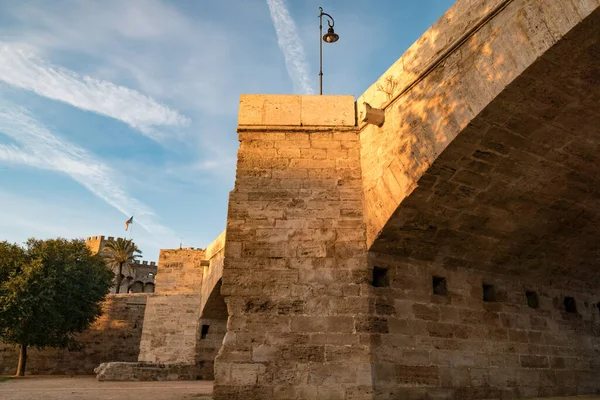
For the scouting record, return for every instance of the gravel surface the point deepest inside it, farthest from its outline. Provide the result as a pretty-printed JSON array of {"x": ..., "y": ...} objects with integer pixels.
[{"x": 88, "y": 388}]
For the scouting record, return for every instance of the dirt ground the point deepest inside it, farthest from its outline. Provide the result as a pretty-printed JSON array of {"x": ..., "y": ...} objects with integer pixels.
[{"x": 88, "y": 388}]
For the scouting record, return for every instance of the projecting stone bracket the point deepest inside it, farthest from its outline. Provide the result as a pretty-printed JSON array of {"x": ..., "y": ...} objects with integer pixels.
[{"x": 373, "y": 116}]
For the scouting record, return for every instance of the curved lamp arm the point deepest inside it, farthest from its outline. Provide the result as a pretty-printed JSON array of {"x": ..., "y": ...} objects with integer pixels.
[{"x": 330, "y": 23}]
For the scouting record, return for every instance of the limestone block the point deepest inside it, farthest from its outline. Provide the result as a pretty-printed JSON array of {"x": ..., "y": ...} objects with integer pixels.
[
  {"x": 296, "y": 110},
  {"x": 260, "y": 109},
  {"x": 246, "y": 374},
  {"x": 328, "y": 110},
  {"x": 145, "y": 371}
]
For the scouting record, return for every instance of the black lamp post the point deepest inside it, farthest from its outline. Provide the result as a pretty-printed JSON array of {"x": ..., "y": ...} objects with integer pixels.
[{"x": 329, "y": 37}]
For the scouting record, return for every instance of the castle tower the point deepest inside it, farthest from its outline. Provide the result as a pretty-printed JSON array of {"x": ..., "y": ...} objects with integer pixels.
[
  {"x": 142, "y": 275},
  {"x": 95, "y": 243}
]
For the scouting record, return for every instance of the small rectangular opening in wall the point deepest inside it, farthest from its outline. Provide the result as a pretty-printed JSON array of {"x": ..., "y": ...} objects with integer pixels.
[
  {"x": 380, "y": 277},
  {"x": 532, "y": 299},
  {"x": 204, "y": 331},
  {"x": 489, "y": 292},
  {"x": 570, "y": 305},
  {"x": 439, "y": 286}
]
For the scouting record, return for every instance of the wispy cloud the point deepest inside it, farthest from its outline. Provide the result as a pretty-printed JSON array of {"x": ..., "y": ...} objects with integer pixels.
[
  {"x": 291, "y": 45},
  {"x": 22, "y": 68},
  {"x": 40, "y": 148}
]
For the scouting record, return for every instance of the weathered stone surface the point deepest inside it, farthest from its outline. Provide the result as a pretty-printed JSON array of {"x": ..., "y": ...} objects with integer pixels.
[
  {"x": 526, "y": 67},
  {"x": 296, "y": 110},
  {"x": 185, "y": 323},
  {"x": 294, "y": 247},
  {"x": 145, "y": 371},
  {"x": 491, "y": 346},
  {"x": 173, "y": 324},
  {"x": 516, "y": 190},
  {"x": 180, "y": 271},
  {"x": 114, "y": 336},
  {"x": 328, "y": 110}
]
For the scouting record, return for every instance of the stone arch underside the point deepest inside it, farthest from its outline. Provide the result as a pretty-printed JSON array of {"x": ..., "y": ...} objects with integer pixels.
[
  {"x": 213, "y": 326},
  {"x": 517, "y": 190}
]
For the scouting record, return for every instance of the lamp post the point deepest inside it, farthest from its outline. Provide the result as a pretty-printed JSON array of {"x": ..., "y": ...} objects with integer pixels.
[{"x": 329, "y": 37}]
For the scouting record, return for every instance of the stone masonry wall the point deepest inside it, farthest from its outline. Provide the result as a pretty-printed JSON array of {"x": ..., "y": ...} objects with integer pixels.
[
  {"x": 457, "y": 346},
  {"x": 171, "y": 326},
  {"x": 179, "y": 271},
  {"x": 295, "y": 255},
  {"x": 172, "y": 316},
  {"x": 210, "y": 339},
  {"x": 115, "y": 336}
]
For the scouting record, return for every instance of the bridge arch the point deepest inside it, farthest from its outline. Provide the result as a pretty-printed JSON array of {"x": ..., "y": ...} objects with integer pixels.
[
  {"x": 485, "y": 160},
  {"x": 213, "y": 327},
  {"x": 485, "y": 176}
]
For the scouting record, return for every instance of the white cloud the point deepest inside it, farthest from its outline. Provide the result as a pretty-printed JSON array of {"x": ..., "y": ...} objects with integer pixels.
[
  {"x": 291, "y": 45},
  {"x": 40, "y": 148},
  {"x": 22, "y": 68},
  {"x": 198, "y": 63}
]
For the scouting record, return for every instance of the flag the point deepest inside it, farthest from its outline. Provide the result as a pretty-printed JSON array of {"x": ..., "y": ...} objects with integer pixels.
[{"x": 129, "y": 221}]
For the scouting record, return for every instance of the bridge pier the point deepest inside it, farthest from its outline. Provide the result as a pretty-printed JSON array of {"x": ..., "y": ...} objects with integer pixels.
[{"x": 295, "y": 274}]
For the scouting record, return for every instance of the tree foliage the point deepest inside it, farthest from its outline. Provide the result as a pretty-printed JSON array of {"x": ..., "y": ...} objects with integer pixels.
[
  {"x": 121, "y": 253},
  {"x": 49, "y": 291}
]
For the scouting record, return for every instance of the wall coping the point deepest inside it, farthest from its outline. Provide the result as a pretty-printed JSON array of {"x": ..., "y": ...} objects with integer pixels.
[{"x": 296, "y": 110}]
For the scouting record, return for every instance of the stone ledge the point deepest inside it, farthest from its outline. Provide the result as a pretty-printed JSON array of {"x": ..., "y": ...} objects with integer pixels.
[
  {"x": 147, "y": 371},
  {"x": 300, "y": 128},
  {"x": 296, "y": 110}
]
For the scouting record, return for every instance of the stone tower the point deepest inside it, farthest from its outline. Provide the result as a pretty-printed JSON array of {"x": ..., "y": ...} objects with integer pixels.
[{"x": 141, "y": 276}]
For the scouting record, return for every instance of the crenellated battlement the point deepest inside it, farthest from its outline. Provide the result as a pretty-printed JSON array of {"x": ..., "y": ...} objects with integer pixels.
[
  {"x": 146, "y": 263},
  {"x": 95, "y": 238}
]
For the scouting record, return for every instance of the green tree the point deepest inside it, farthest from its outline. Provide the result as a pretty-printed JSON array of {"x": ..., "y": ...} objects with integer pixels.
[
  {"x": 49, "y": 291},
  {"x": 121, "y": 253}
]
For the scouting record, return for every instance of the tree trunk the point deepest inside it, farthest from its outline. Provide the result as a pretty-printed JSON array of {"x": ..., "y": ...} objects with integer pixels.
[
  {"x": 119, "y": 278},
  {"x": 22, "y": 360}
]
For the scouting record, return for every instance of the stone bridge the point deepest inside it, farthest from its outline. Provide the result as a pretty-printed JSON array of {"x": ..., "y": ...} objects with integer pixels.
[
  {"x": 435, "y": 239},
  {"x": 441, "y": 241},
  {"x": 184, "y": 321}
]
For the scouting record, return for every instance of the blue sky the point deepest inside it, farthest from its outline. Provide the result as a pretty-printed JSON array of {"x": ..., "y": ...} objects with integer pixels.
[{"x": 112, "y": 108}]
